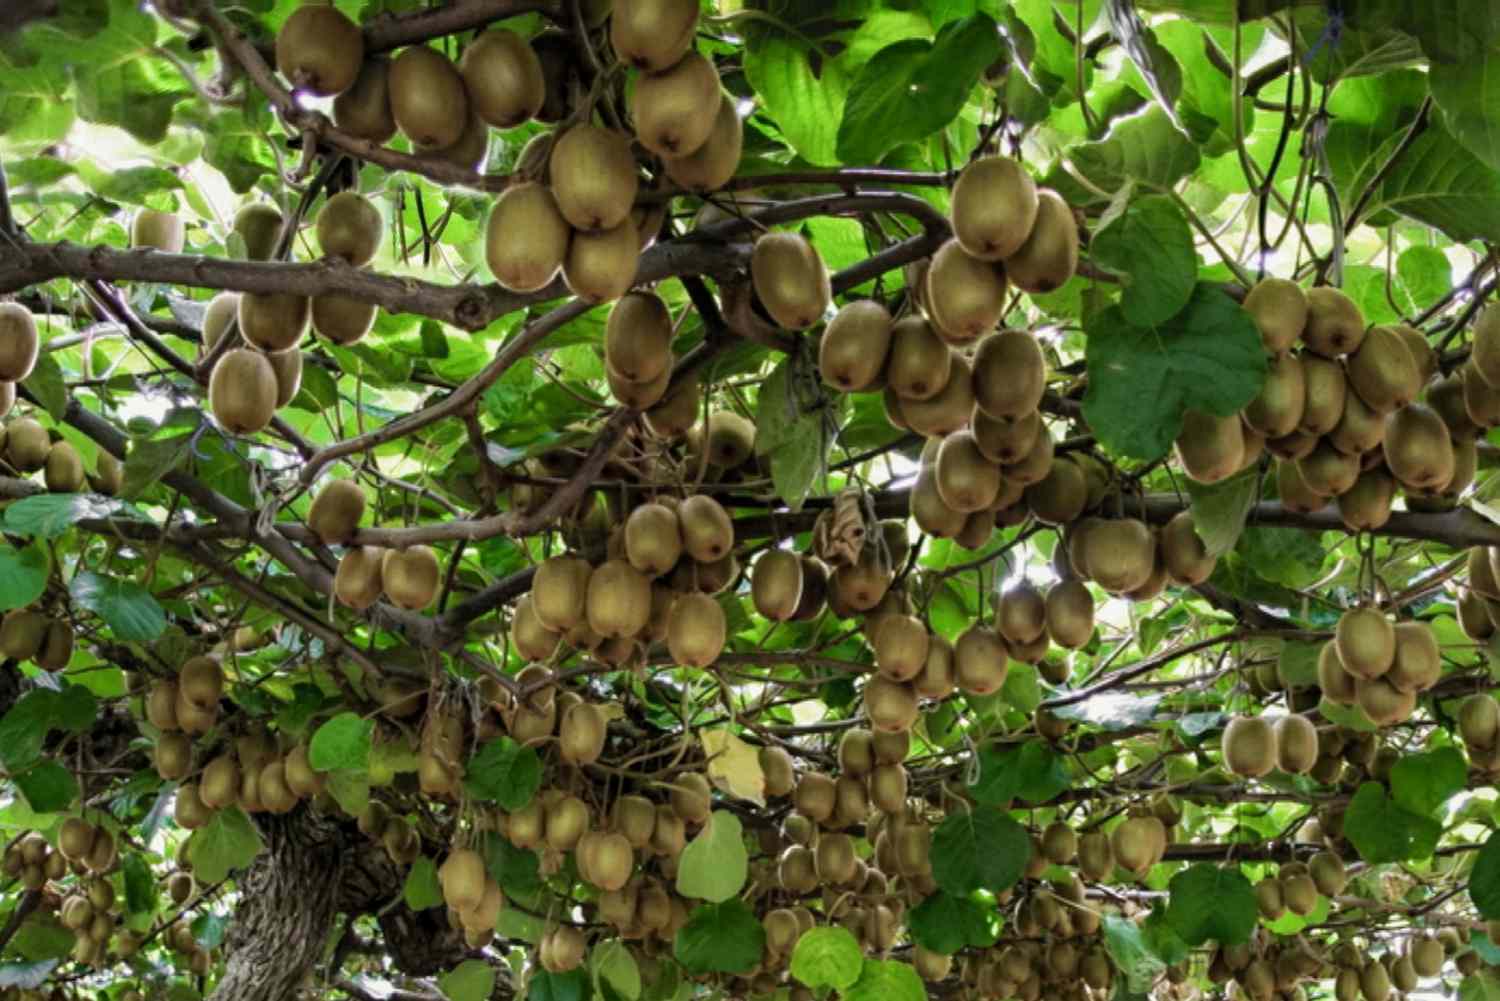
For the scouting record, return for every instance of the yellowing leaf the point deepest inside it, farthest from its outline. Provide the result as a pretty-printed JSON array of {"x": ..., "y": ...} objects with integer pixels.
[{"x": 734, "y": 766}]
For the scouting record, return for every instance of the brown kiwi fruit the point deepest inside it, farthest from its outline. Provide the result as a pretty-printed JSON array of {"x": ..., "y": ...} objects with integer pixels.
[
  {"x": 349, "y": 228},
  {"x": 1005, "y": 441},
  {"x": 242, "y": 391},
  {"x": 1417, "y": 448},
  {"x": 593, "y": 177},
  {"x": 618, "y": 601},
  {"x": 287, "y": 367},
  {"x": 1187, "y": 560},
  {"x": 1280, "y": 310},
  {"x": 852, "y": 352},
  {"x": 891, "y": 706},
  {"x": 200, "y": 680},
  {"x": 336, "y": 512},
  {"x": 526, "y": 239},
  {"x": 503, "y": 77},
  {"x": 428, "y": 99},
  {"x": 63, "y": 472},
  {"x": 1485, "y": 345},
  {"x": 1296, "y": 744},
  {"x": 1328, "y": 472},
  {"x": 1049, "y": 257},
  {"x": 173, "y": 756},
  {"x": 965, "y": 479},
  {"x": 320, "y": 50},
  {"x": 652, "y": 35},
  {"x": 364, "y": 110},
  {"x": 153, "y": 230},
  {"x": 928, "y": 509},
  {"x": 1334, "y": 324},
  {"x": 713, "y": 164},
  {"x": 790, "y": 280},
  {"x": 730, "y": 439},
  {"x": 1249, "y": 746},
  {"x": 638, "y": 337},
  {"x": 965, "y": 296},
  {"x": 980, "y": 660},
  {"x": 341, "y": 319},
  {"x": 357, "y": 583},
  {"x": 19, "y": 342},
  {"x": 1383, "y": 702},
  {"x": 1366, "y": 642},
  {"x": 1061, "y": 496},
  {"x": 1120, "y": 554},
  {"x": 1324, "y": 388},
  {"x": 274, "y": 321},
  {"x": 696, "y": 630},
  {"x": 601, "y": 267},
  {"x": 638, "y": 395},
  {"x": 919, "y": 362},
  {"x": 1210, "y": 448},
  {"x": 900, "y": 643},
  {"x": 674, "y": 110},
  {"x": 1481, "y": 401},
  {"x": 223, "y": 310},
  {"x": 1009, "y": 375},
  {"x": 776, "y": 584},
  {"x": 707, "y": 531},
  {"x": 1366, "y": 506},
  {"x": 57, "y": 646},
  {"x": 1382, "y": 371},
  {"x": 470, "y": 152},
  {"x": 994, "y": 207},
  {"x": 411, "y": 577},
  {"x": 951, "y": 409},
  {"x": 1278, "y": 409},
  {"x": 532, "y": 640},
  {"x": 1418, "y": 663},
  {"x": 558, "y": 591},
  {"x": 653, "y": 539},
  {"x": 1479, "y": 720},
  {"x": 1070, "y": 614}
]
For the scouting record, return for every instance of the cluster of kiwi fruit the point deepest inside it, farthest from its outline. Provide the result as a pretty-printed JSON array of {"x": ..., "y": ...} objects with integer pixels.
[
  {"x": 30, "y": 635},
  {"x": 263, "y": 372},
  {"x": 1379, "y": 665},
  {"x": 88, "y": 910},
  {"x": 1339, "y": 410},
  {"x": 28, "y": 447},
  {"x": 473, "y": 898},
  {"x": 409, "y": 577},
  {"x": 1297, "y": 887},
  {"x": 1479, "y": 728},
  {"x": 91, "y": 913},
  {"x": 1479, "y": 598},
  {"x": 1255, "y": 746}
]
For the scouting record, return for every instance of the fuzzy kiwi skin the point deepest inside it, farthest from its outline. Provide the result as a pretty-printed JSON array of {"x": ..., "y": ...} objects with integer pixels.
[
  {"x": 531, "y": 263},
  {"x": 242, "y": 391},
  {"x": 364, "y": 110},
  {"x": 790, "y": 280},
  {"x": 19, "y": 342},
  {"x": 320, "y": 50},
  {"x": 994, "y": 207},
  {"x": 503, "y": 76},
  {"x": 428, "y": 98}
]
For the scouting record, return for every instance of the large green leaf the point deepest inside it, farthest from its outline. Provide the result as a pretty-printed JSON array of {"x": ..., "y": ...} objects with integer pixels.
[
  {"x": 1146, "y": 148},
  {"x": 1143, "y": 379},
  {"x": 49, "y": 515},
  {"x": 886, "y": 980},
  {"x": 504, "y": 772},
  {"x": 720, "y": 938},
  {"x": 471, "y": 980},
  {"x": 47, "y": 786},
  {"x": 1210, "y": 902},
  {"x": 715, "y": 864},
  {"x": 1382, "y": 831},
  {"x": 127, "y": 607},
  {"x": 23, "y": 575},
  {"x": 1151, "y": 246},
  {"x": 827, "y": 957},
  {"x": 1484, "y": 879},
  {"x": 946, "y": 923},
  {"x": 227, "y": 842},
  {"x": 1126, "y": 945},
  {"x": 341, "y": 742},
  {"x": 982, "y": 848}
]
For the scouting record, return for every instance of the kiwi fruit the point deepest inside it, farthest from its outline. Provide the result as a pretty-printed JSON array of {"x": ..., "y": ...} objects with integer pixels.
[
  {"x": 320, "y": 50},
  {"x": 965, "y": 479},
  {"x": 357, "y": 582},
  {"x": 287, "y": 367},
  {"x": 919, "y": 362},
  {"x": 964, "y": 295},
  {"x": 618, "y": 600},
  {"x": 503, "y": 77},
  {"x": 593, "y": 177},
  {"x": 951, "y": 409},
  {"x": 580, "y": 734},
  {"x": 652, "y": 35},
  {"x": 242, "y": 391},
  {"x": 1417, "y": 448},
  {"x": 1473, "y": 616},
  {"x": 852, "y": 352},
  {"x": 411, "y": 577},
  {"x": 200, "y": 681},
  {"x": 1366, "y": 505},
  {"x": 1021, "y": 613},
  {"x": 531, "y": 638},
  {"x": 341, "y": 319},
  {"x": 891, "y": 706},
  {"x": 1249, "y": 746},
  {"x": 274, "y": 321},
  {"x": 336, "y": 512},
  {"x": 980, "y": 660},
  {"x": 1070, "y": 614},
  {"x": 1296, "y": 744},
  {"x": 1324, "y": 387},
  {"x": 1484, "y": 348},
  {"x": 1210, "y": 448},
  {"x": 153, "y": 230},
  {"x": 364, "y": 109},
  {"x": 1049, "y": 257},
  {"x": 173, "y": 756},
  {"x": 349, "y": 228},
  {"x": 1003, "y": 440},
  {"x": 428, "y": 99},
  {"x": 1280, "y": 310},
  {"x": 931, "y": 513},
  {"x": 223, "y": 311},
  {"x": 638, "y": 337},
  {"x": 714, "y": 163},
  {"x": 994, "y": 207},
  {"x": 696, "y": 630},
  {"x": 1183, "y": 553},
  {"x": 776, "y": 584},
  {"x": 1334, "y": 324},
  {"x": 1418, "y": 663},
  {"x": 470, "y": 152},
  {"x": 19, "y": 343},
  {"x": 1061, "y": 496},
  {"x": 1120, "y": 554},
  {"x": 63, "y": 472},
  {"x": 558, "y": 592},
  {"x": 1009, "y": 375},
  {"x": 1277, "y": 411},
  {"x": 675, "y": 110},
  {"x": 707, "y": 531},
  {"x": 1366, "y": 642},
  {"x": 790, "y": 280},
  {"x": 638, "y": 395},
  {"x": 900, "y": 643},
  {"x": 1134, "y": 842},
  {"x": 1480, "y": 400},
  {"x": 730, "y": 439},
  {"x": 1328, "y": 472},
  {"x": 653, "y": 539},
  {"x": 601, "y": 267},
  {"x": 1382, "y": 371},
  {"x": 526, "y": 238}
]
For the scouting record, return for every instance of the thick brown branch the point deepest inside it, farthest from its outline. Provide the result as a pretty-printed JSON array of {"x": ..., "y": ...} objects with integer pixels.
[{"x": 458, "y": 15}]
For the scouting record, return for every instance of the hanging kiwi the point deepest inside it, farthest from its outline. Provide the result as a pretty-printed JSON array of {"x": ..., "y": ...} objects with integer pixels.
[
  {"x": 1049, "y": 257},
  {"x": 526, "y": 238},
  {"x": 652, "y": 35},
  {"x": 790, "y": 280},
  {"x": 242, "y": 391},
  {"x": 964, "y": 295},
  {"x": 994, "y": 207},
  {"x": 364, "y": 109},
  {"x": 715, "y": 162},
  {"x": 320, "y": 50},
  {"x": 350, "y": 228},
  {"x": 19, "y": 343},
  {"x": 852, "y": 352},
  {"x": 428, "y": 99},
  {"x": 1280, "y": 310},
  {"x": 593, "y": 176},
  {"x": 675, "y": 110},
  {"x": 503, "y": 77}
]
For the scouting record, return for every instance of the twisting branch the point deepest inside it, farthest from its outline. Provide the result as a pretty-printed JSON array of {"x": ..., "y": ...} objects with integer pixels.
[{"x": 458, "y": 15}]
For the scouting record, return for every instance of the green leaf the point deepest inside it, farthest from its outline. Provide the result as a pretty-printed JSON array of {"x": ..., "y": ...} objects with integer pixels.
[
  {"x": 227, "y": 842},
  {"x": 1144, "y": 147},
  {"x": 614, "y": 968},
  {"x": 947, "y": 923},
  {"x": 471, "y": 980},
  {"x": 48, "y": 516},
  {"x": 422, "y": 889},
  {"x": 504, "y": 772},
  {"x": 720, "y": 938},
  {"x": 1382, "y": 831},
  {"x": 1151, "y": 245},
  {"x": 789, "y": 431},
  {"x": 1163, "y": 941},
  {"x": 48, "y": 787},
  {"x": 150, "y": 459},
  {"x": 715, "y": 864},
  {"x": 570, "y": 986},
  {"x": 983, "y": 848},
  {"x": 517, "y": 870},
  {"x": 23, "y": 575},
  {"x": 1207, "y": 358},
  {"x": 1209, "y": 902},
  {"x": 1423, "y": 782},
  {"x": 24, "y": 728},
  {"x": 1481, "y": 986},
  {"x": 1032, "y": 772},
  {"x": 807, "y": 104},
  {"x": 341, "y": 743},
  {"x": 887, "y": 980},
  {"x": 140, "y": 884},
  {"x": 827, "y": 957},
  {"x": 1484, "y": 879},
  {"x": 914, "y": 88},
  {"x": 46, "y": 383},
  {"x": 1467, "y": 92},
  {"x": 125, "y": 606},
  {"x": 350, "y": 789},
  {"x": 1220, "y": 509},
  {"x": 1126, "y": 945}
]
